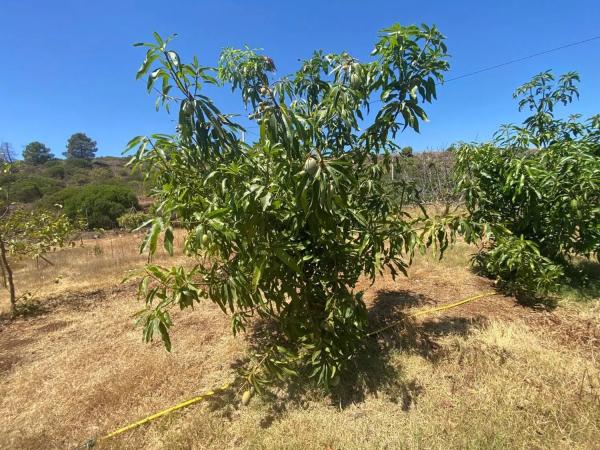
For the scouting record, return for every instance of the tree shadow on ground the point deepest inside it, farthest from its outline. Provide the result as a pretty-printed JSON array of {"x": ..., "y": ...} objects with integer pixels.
[
  {"x": 25, "y": 309},
  {"x": 583, "y": 280},
  {"x": 375, "y": 370},
  {"x": 399, "y": 330},
  {"x": 533, "y": 300},
  {"x": 29, "y": 306}
]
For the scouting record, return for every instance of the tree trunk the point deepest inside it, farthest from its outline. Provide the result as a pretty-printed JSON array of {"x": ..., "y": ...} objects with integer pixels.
[
  {"x": 9, "y": 276},
  {"x": 4, "y": 280}
]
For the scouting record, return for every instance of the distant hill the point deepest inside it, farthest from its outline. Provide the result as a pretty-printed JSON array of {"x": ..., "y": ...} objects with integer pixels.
[{"x": 32, "y": 184}]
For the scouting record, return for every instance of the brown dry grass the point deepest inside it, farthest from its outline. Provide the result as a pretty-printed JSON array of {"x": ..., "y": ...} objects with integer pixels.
[
  {"x": 89, "y": 263},
  {"x": 490, "y": 374}
]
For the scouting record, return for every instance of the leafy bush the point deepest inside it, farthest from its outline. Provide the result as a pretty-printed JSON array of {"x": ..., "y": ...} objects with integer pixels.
[
  {"x": 78, "y": 171},
  {"x": 537, "y": 189},
  {"x": 99, "y": 205},
  {"x": 101, "y": 175},
  {"x": 133, "y": 219},
  {"x": 27, "y": 189},
  {"x": 284, "y": 228},
  {"x": 55, "y": 171},
  {"x": 72, "y": 164},
  {"x": 518, "y": 264},
  {"x": 34, "y": 183},
  {"x": 407, "y": 152}
]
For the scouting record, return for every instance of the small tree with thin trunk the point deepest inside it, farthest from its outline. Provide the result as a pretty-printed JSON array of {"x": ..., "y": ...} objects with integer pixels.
[{"x": 27, "y": 234}]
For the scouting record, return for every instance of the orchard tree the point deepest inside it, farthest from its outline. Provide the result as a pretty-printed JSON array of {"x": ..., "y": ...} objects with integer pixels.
[
  {"x": 283, "y": 228},
  {"x": 540, "y": 96},
  {"x": 535, "y": 190},
  {"x": 27, "y": 234},
  {"x": 81, "y": 146},
  {"x": 37, "y": 153}
]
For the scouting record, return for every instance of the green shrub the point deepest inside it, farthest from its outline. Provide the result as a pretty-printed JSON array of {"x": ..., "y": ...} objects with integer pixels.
[
  {"x": 133, "y": 219},
  {"x": 536, "y": 189},
  {"x": 27, "y": 189},
  {"x": 55, "y": 171},
  {"x": 77, "y": 177},
  {"x": 99, "y": 205},
  {"x": 73, "y": 164},
  {"x": 407, "y": 152},
  {"x": 101, "y": 174},
  {"x": 53, "y": 163}
]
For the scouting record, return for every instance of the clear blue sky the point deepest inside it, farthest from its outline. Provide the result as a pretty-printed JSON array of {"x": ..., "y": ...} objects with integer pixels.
[{"x": 69, "y": 66}]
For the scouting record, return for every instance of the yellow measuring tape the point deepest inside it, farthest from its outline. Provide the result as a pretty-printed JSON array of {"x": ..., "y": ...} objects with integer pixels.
[
  {"x": 191, "y": 401},
  {"x": 436, "y": 309},
  {"x": 90, "y": 443}
]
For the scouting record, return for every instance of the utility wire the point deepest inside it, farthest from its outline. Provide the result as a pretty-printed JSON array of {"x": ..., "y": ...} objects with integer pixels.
[{"x": 512, "y": 61}]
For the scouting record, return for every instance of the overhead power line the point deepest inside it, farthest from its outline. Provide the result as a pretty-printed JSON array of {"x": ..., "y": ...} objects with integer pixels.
[{"x": 512, "y": 61}]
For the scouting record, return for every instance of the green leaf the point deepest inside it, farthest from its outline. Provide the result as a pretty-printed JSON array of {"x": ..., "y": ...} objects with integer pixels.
[
  {"x": 257, "y": 273},
  {"x": 151, "y": 240},
  {"x": 164, "y": 334},
  {"x": 286, "y": 259},
  {"x": 173, "y": 58},
  {"x": 168, "y": 241},
  {"x": 150, "y": 58}
]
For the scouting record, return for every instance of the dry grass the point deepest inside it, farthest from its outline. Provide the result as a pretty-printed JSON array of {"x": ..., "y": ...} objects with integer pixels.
[
  {"x": 490, "y": 374},
  {"x": 502, "y": 386},
  {"x": 90, "y": 263}
]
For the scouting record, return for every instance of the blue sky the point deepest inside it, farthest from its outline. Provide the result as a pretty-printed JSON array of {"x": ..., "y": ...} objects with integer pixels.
[{"x": 69, "y": 66}]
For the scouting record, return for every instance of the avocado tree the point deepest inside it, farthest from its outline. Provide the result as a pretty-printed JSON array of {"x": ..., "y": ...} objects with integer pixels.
[
  {"x": 27, "y": 234},
  {"x": 282, "y": 228},
  {"x": 535, "y": 190}
]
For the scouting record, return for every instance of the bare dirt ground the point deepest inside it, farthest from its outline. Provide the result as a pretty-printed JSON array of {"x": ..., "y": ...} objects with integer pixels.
[{"x": 487, "y": 374}]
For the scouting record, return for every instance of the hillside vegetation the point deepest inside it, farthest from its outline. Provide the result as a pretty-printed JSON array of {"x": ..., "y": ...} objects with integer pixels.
[
  {"x": 32, "y": 184},
  {"x": 95, "y": 191}
]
